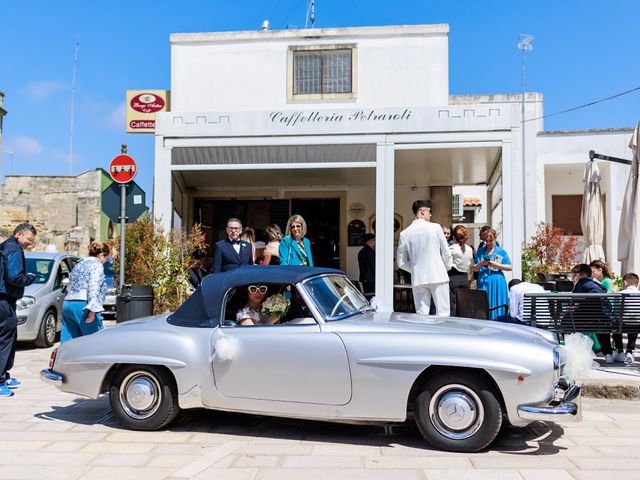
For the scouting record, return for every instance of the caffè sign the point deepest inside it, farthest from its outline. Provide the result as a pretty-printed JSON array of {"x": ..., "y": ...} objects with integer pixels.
[{"x": 291, "y": 118}]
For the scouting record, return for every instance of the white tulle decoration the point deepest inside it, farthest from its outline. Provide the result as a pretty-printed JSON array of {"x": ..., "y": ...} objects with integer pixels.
[
  {"x": 225, "y": 349},
  {"x": 580, "y": 356}
]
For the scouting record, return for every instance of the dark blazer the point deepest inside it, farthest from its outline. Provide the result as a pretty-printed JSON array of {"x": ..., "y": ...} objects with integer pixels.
[
  {"x": 225, "y": 257},
  {"x": 15, "y": 275},
  {"x": 290, "y": 253},
  {"x": 367, "y": 264}
]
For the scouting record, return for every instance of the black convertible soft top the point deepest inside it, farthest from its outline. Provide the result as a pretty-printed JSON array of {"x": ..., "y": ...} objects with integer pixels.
[{"x": 203, "y": 308}]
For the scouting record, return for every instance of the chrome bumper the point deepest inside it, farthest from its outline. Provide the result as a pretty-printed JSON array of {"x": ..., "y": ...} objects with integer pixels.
[
  {"x": 565, "y": 407},
  {"x": 50, "y": 377}
]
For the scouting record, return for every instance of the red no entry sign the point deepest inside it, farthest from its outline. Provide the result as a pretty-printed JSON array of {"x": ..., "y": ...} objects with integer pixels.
[{"x": 123, "y": 168}]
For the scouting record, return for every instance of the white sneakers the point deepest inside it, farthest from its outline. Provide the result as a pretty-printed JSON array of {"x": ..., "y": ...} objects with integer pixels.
[{"x": 618, "y": 357}]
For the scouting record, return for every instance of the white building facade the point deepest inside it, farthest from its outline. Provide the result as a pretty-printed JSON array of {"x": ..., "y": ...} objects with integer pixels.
[{"x": 346, "y": 126}]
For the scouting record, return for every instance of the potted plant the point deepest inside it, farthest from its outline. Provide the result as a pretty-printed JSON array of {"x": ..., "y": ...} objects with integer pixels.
[
  {"x": 549, "y": 254},
  {"x": 159, "y": 261}
]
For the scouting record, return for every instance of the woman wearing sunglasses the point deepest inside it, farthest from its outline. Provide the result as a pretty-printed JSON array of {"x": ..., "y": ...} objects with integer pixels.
[
  {"x": 295, "y": 248},
  {"x": 252, "y": 314}
]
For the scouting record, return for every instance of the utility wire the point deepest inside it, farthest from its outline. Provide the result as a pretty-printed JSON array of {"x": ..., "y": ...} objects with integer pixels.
[{"x": 583, "y": 106}]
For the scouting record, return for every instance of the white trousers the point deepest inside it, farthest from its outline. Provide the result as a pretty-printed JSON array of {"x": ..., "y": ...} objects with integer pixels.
[{"x": 439, "y": 291}]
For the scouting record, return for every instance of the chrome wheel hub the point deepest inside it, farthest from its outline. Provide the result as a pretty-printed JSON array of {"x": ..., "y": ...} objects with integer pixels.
[
  {"x": 140, "y": 395},
  {"x": 456, "y": 411},
  {"x": 50, "y": 327}
]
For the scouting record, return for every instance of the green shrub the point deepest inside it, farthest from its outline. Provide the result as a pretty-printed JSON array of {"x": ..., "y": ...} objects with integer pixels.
[{"x": 153, "y": 257}]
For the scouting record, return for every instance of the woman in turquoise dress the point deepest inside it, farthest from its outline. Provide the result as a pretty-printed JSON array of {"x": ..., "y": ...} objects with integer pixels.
[
  {"x": 295, "y": 248},
  {"x": 490, "y": 261}
]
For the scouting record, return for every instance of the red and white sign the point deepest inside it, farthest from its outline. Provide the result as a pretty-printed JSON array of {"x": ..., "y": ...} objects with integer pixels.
[
  {"x": 123, "y": 168},
  {"x": 147, "y": 103},
  {"x": 142, "y": 107}
]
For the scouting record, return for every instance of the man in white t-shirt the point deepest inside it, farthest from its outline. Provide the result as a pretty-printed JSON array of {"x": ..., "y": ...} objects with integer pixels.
[{"x": 517, "y": 289}]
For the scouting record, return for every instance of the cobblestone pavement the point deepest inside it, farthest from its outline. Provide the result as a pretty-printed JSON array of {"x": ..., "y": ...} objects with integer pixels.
[{"x": 45, "y": 434}]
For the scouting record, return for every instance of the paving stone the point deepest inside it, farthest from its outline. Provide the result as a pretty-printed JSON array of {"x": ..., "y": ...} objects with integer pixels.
[
  {"x": 342, "y": 449},
  {"x": 227, "y": 474},
  {"x": 334, "y": 474},
  {"x": 126, "y": 473},
  {"x": 64, "y": 447},
  {"x": 117, "y": 447},
  {"x": 519, "y": 462},
  {"x": 37, "y": 472},
  {"x": 275, "y": 450},
  {"x": 21, "y": 446},
  {"x": 457, "y": 463},
  {"x": 45, "y": 459},
  {"x": 122, "y": 460},
  {"x": 172, "y": 461},
  {"x": 473, "y": 475},
  {"x": 323, "y": 461},
  {"x": 255, "y": 461},
  {"x": 605, "y": 474},
  {"x": 545, "y": 475},
  {"x": 146, "y": 437},
  {"x": 601, "y": 464}
]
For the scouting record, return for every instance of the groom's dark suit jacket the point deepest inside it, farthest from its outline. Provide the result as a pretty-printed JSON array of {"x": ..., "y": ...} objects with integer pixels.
[{"x": 225, "y": 256}]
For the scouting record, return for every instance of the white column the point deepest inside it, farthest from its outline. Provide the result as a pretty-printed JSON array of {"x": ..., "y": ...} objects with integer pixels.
[
  {"x": 512, "y": 207},
  {"x": 162, "y": 204},
  {"x": 385, "y": 187}
]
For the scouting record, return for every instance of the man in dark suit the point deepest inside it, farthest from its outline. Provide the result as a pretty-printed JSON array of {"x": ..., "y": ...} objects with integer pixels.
[
  {"x": 232, "y": 252},
  {"x": 367, "y": 264}
]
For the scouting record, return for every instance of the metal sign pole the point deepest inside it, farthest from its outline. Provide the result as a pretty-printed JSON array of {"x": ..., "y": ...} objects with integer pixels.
[{"x": 123, "y": 223}]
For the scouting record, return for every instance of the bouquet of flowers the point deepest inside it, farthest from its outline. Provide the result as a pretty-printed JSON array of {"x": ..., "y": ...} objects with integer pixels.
[{"x": 276, "y": 305}]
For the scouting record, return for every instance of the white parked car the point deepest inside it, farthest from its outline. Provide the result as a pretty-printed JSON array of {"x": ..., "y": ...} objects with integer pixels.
[{"x": 39, "y": 311}]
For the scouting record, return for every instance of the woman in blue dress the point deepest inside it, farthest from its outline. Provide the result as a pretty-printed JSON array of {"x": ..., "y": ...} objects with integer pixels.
[
  {"x": 295, "y": 248},
  {"x": 490, "y": 261}
]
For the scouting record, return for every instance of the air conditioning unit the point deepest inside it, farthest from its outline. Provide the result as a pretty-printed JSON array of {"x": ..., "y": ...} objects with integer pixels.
[{"x": 457, "y": 205}]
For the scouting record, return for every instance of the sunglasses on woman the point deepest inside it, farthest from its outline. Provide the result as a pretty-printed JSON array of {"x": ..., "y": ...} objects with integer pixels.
[{"x": 262, "y": 289}]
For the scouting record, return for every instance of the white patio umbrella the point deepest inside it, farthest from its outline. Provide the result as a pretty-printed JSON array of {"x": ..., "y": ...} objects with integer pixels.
[
  {"x": 592, "y": 217},
  {"x": 629, "y": 232}
]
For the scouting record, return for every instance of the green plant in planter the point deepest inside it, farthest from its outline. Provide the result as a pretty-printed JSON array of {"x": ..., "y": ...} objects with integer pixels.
[
  {"x": 551, "y": 251},
  {"x": 153, "y": 257}
]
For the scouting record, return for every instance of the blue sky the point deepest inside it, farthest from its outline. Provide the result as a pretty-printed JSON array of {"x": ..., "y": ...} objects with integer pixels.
[{"x": 583, "y": 51}]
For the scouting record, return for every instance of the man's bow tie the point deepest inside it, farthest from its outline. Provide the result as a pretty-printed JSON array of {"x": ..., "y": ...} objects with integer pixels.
[{"x": 235, "y": 242}]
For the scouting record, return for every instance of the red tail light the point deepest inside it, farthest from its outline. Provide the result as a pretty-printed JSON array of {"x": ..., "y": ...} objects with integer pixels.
[{"x": 52, "y": 360}]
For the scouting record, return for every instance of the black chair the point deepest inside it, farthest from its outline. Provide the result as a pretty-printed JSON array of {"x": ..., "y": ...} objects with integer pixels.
[
  {"x": 548, "y": 286},
  {"x": 564, "y": 285},
  {"x": 475, "y": 304}
]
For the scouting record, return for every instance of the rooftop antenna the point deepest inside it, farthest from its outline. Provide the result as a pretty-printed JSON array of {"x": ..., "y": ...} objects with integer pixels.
[
  {"x": 73, "y": 105},
  {"x": 311, "y": 13}
]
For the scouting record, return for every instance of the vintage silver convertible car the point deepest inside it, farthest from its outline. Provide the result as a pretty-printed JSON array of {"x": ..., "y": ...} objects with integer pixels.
[{"x": 332, "y": 357}]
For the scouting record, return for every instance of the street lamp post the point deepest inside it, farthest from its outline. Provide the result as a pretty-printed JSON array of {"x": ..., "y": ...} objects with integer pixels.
[{"x": 524, "y": 44}]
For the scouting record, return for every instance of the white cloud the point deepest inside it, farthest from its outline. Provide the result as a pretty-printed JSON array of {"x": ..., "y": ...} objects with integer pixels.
[
  {"x": 27, "y": 146},
  {"x": 118, "y": 117},
  {"x": 43, "y": 89}
]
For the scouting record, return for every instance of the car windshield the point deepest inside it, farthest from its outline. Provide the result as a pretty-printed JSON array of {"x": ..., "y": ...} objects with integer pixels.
[
  {"x": 40, "y": 267},
  {"x": 335, "y": 297}
]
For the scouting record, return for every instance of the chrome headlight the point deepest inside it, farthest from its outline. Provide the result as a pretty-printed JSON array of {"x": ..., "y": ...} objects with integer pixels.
[{"x": 25, "y": 302}]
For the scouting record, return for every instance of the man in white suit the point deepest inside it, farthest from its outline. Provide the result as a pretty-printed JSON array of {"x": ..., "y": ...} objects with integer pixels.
[{"x": 423, "y": 252}]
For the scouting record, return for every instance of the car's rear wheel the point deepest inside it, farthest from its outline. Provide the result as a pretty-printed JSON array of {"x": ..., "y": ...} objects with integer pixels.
[
  {"x": 143, "y": 397},
  {"x": 48, "y": 329},
  {"x": 458, "y": 412}
]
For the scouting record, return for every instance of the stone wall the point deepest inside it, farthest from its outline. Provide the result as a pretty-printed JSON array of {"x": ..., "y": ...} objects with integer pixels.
[{"x": 64, "y": 209}]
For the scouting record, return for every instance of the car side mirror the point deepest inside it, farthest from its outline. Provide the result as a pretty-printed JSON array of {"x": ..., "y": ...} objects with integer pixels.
[{"x": 64, "y": 284}]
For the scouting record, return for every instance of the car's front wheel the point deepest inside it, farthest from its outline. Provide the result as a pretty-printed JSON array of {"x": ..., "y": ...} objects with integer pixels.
[
  {"x": 48, "y": 329},
  {"x": 458, "y": 412},
  {"x": 143, "y": 397}
]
